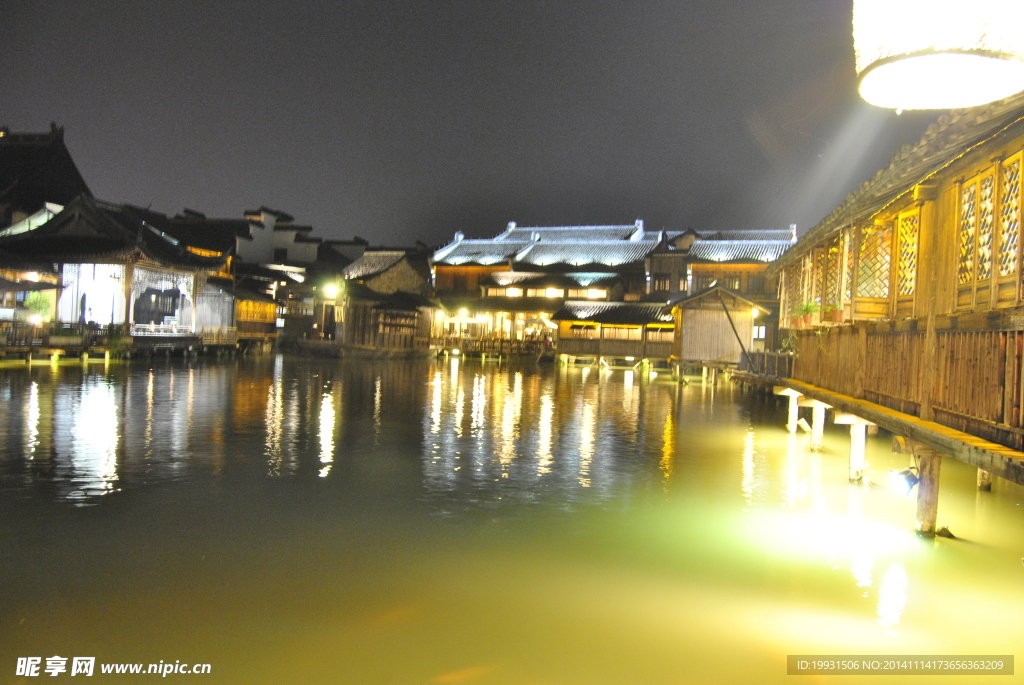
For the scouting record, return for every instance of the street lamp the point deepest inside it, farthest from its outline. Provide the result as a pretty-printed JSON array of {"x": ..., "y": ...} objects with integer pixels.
[{"x": 938, "y": 54}]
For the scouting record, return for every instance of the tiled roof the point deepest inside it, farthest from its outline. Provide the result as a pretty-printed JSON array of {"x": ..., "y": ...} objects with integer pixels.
[
  {"x": 769, "y": 234},
  {"x": 372, "y": 263},
  {"x": 579, "y": 253},
  {"x": 627, "y": 313},
  {"x": 88, "y": 229},
  {"x": 503, "y": 279},
  {"x": 738, "y": 250},
  {"x": 563, "y": 233},
  {"x": 479, "y": 252}
]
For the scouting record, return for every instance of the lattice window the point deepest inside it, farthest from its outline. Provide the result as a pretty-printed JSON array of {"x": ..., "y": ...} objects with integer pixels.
[
  {"x": 873, "y": 264},
  {"x": 793, "y": 288},
  {"x": 833, "y": 271},
  {"x": 1009, "y": 217},
  {"x": 821, "y": 271},
  {"x": 906, "y": 273},
  {"x": 986, "y": 224},
  {"x": 968, "y": 229}
]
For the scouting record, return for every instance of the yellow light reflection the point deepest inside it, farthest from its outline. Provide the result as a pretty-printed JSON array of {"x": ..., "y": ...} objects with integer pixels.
[
  {"x": 479, "y": 401},
  {"x": 95, "y": 438},
  {"x": 274, "y": 420},
  {"x": 588, "y": 430},
  {"x": 32, "y": 419},
  {"x": 747, "y": 484},
  {"x": 435, "y": 404},
  {"x": 327, "y": 426},
  {"x": 668, "y": 450},
  {"x": 892, "y": 597},
  {"x": 544, "y": 434}
]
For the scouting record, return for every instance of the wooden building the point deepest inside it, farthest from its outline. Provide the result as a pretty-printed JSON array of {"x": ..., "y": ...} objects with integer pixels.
[
  {"x": 716, "y": 327},
  {"x": 915, "y": 282},
  {"x": 614, "y": 332},
  {"x": 131, "y": 273}
]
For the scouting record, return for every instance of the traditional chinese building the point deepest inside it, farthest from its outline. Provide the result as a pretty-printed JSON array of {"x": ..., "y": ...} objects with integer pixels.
[{"x": 914, "y": 283}]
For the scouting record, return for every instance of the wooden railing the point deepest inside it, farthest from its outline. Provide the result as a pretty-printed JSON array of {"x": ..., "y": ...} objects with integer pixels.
[
  {"x": 596, "y": 347},
  {"x": 977, "y": 378},
  {"x": 23, "y": 334},
  {"x": 490, "y": 346},
  {"x": 774, "y": 364}
]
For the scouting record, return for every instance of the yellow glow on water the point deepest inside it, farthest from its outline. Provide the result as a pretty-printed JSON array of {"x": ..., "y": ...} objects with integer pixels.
[
  {"x": 747, "y": 484},
  {"x": 274, "y": 420}
]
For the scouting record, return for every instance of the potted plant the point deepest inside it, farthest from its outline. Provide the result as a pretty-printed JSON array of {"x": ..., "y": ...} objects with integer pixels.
[
  {"x": 834, "y": 313},
  {"x": 805, "y": 313}
]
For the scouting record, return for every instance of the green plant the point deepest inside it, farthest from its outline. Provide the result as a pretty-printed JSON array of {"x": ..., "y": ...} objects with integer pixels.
[
  {"x": 829, "y": 308},
  {"x": 807, "y": 308},
  {"x": 38, "y": 303}
]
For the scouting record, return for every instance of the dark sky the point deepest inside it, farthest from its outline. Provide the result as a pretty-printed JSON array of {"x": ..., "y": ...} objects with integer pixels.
[{"x": 412, "y": 119}]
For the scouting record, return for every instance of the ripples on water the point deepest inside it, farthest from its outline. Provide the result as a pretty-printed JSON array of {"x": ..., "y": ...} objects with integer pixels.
[{"x": 290, "y": 520}]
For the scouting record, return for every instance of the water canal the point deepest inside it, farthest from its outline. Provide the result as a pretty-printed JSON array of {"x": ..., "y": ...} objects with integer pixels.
[{"x": 297, "y": 521}]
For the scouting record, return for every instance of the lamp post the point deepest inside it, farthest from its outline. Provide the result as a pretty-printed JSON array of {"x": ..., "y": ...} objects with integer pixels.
[{"x": 938, "y": 54}]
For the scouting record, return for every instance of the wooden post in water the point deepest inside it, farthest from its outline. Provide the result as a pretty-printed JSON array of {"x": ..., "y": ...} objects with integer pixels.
[
  {"x": 794, "y": 411},
  {"x": 817, "y": 420},
  {"x": 984, "y": 480},
  {"x": 858, "y": 438},
  {"x": 928, "y": 463},
  {"x": 927, "y": 491}
]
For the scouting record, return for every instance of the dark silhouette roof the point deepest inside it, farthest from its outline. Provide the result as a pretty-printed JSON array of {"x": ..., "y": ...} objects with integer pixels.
[
  {"x": 91, "y": 230},
  {"x": 36, "y": 169}
]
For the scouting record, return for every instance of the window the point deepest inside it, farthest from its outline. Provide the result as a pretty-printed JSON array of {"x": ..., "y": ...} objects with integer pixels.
[
  {"x": 759, "y": 332},
  {"x": 755, "y": 284},
  {"x": 660, "y": 334},
  {"x": 622, "y": 333},
  {"x": 583, "y": 331},
  {"x": 660, "y": 282}
]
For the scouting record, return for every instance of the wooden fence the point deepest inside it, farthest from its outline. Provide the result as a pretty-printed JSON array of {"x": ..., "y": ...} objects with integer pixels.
[{"x": 978, "y": 375}]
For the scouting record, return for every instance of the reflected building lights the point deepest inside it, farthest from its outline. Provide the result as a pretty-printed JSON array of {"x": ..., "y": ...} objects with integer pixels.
[
  {"x": 32, "y": 420},
  {"x": 668, "y": 450},
  {"x": 376, "y": 410},
  {"x": 328, "y": 421},
  {"x": 435, "y": 404},
  {"x": 274, "y": 419},
  {"x": 94, "y": 439},
  {"x": 479, "y": 402},
  {"x": 544, "y": 434},
  {"x": 588, "y": 426}
]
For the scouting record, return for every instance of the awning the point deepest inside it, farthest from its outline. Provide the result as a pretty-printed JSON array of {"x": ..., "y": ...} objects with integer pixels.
[{"x": 7, "y": 286}]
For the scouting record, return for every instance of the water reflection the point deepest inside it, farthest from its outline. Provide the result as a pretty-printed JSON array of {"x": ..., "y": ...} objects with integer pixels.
[{"x": 684, "y": 509}]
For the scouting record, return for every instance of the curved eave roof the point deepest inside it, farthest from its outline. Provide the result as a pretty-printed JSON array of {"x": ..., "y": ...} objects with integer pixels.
[{"x": 613, "y": 313}]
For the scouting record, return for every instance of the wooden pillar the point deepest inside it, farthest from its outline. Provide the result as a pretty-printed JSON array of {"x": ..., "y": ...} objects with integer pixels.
[
  {"x": 817, "y": 420},
  {"x": 984, "y": 480},
  {"x": 927, "y": 491},
  {"x": 858, "y": 439},
  {"x": 927, "y": 281},
  {"x": 794, "y": 411}
]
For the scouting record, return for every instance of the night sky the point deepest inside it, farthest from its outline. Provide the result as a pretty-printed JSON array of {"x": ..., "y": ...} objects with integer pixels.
[{"x": 407, "y": 120}]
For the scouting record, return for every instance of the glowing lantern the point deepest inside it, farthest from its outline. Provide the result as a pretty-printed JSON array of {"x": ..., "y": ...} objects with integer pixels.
[{"x": 938, "y": 54}]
